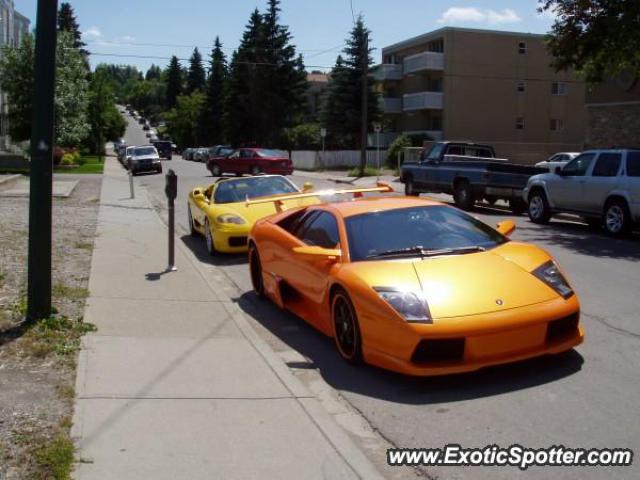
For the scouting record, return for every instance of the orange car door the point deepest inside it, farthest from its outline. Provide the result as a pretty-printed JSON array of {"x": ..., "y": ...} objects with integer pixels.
[{"x": 310, "y": 275}]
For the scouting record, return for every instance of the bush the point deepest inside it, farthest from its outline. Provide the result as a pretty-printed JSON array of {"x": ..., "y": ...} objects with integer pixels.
[
  {"x": 397, "y": 146},
  {"x": 68, "y": 159},
  {"x": 305, "y": 136}
]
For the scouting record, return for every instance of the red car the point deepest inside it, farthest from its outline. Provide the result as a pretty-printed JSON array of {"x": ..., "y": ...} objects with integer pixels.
[{"x": 251, "y": 160}]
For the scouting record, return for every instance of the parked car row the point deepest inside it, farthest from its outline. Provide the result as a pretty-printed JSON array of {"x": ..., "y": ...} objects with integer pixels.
[
  {"x": 139, "y": 159},
  {"x": 381, "y": 276},
  {"x": 223, "y": 159},
  {"x": 602, "y": 186},
  {"x": 202, "y": 154},
  {"x": 254, "y": 161}
]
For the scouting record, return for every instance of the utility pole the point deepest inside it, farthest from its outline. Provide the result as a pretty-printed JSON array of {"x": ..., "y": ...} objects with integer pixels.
[
  {"x": 41, "y": 176},
  {"x": 365, "y": 88}
]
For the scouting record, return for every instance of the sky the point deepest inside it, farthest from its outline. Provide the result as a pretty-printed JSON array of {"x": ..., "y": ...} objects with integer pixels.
[{"x": 142, "y": 32}]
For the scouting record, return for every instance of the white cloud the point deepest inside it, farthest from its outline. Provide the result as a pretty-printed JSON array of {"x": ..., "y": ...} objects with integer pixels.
[
  {"x": 478, "y": 15},
  {"x": 93, "y": 32}
]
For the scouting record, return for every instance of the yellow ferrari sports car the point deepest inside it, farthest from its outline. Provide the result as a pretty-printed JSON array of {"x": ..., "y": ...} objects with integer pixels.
[
  {"x": 414, "y": 285},
  {"x": 221, "y": 213}
]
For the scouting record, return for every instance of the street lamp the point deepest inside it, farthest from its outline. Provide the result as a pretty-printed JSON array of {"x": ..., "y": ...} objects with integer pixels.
[
  {"x": 377, "y": 127},
  {"x": 323, "y": 134}
]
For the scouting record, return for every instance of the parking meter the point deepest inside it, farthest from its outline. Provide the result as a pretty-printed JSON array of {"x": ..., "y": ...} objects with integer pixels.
[
  {"x": 171, "y": 185},
  {"x": 171, "y": 191}
]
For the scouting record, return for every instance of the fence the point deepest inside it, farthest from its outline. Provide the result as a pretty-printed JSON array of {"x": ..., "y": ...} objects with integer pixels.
[{"x": 333, "y": 159}]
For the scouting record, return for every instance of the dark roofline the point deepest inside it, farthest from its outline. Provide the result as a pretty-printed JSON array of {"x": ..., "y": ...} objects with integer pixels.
[{"x": 425, "y": 37}]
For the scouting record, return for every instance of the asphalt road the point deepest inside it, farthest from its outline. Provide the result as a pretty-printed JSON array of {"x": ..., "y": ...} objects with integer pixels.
[{"x": 585, "y": 398}]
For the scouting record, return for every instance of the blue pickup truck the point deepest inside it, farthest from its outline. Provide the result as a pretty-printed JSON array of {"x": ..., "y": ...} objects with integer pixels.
[{"x": 470, "y": 172}]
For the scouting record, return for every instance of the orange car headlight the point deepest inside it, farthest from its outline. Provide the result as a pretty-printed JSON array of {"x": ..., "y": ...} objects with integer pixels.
[
  {"x": 550, "y": 274},
  {"x": 410, "y": 305}
]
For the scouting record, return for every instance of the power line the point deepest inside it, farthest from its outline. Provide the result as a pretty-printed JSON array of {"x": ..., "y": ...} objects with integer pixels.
[
  {"x": 179, "y": 45},
  {"x": 155, "y": 57}
]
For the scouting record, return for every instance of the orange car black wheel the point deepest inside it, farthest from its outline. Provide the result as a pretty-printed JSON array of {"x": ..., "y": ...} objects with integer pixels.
[
  {"x": 346, "y": 329},
  {"x": 255, "y": 267}
]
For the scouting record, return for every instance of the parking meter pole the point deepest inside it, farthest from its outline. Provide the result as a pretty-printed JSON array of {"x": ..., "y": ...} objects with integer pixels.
[
  {"x": 171, "y": 190},
  {"x": 133, "y": 194}
]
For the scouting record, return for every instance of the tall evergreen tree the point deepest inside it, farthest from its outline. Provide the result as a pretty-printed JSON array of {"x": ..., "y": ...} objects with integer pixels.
[
  {"x": 285, "y": 79},
  {"x": 243, "y": 115},
  {"x": 153, "y": 73},
  {"x": 267, "y": 81},
  {"x": 211, "y": 131},
  {"x": 196, "y": 76},
  {"x": 174, "y": 83},
  {"x": 67, "y": 23},
  {"x": 342, "y": 109}
]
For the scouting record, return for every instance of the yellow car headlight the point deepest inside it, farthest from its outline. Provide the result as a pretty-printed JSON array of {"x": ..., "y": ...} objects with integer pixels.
[{"x": 230, "y": 218}]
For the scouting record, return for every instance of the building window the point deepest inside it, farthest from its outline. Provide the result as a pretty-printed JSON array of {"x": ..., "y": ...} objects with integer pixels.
[
  {"x": 521, "y": 86},
  {"x": 556, "y": 125},
  {"x": 558, "y": 88},
  {"x": 519, "y": 123},
  {"x": 522, "y": 48}
]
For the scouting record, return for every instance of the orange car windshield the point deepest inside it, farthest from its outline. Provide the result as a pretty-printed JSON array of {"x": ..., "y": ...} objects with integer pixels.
[{"x": 415, "y": 231}]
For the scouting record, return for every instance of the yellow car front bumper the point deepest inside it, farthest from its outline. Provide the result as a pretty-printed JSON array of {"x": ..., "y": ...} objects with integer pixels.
[{"x": 230, "y": 238}]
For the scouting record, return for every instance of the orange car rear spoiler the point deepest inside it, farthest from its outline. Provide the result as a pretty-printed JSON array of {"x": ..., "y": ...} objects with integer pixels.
[{"x": 278, "y": 201}]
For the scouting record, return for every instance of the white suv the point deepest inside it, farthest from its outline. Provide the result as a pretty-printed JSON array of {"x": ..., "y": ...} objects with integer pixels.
[{"x": 602, "y": 186}]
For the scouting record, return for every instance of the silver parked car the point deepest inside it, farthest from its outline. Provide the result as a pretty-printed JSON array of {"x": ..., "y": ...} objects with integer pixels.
[
  {"x": 201, "y": 154},
  {"x": 559, "y": 159},
  {"x": 602, "y": 186},
  {"x": 144, "y": 159}
]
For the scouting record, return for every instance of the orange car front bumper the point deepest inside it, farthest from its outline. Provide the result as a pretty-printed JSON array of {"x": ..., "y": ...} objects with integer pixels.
[{"x": 480, "y": 341}]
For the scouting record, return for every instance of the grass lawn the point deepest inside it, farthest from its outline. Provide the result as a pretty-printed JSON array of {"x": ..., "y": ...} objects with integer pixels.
[{"x": 91, "y": 164}]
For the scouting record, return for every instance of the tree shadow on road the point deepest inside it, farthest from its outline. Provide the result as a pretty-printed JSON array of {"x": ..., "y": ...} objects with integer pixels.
[
  {"x": 377, "y": 383},
  {"x": 582, "y": 239}
]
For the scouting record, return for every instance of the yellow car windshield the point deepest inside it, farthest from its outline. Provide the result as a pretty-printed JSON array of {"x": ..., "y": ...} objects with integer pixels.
[{"x": 238, "y": 190}]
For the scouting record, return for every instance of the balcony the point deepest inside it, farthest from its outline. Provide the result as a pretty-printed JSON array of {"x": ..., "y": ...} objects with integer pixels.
[
  {"x": 422, "y": 101},
  {"x": 436, "y": 135},
  {"x": 390, "y": 104},
  {"x": 387, "y": 71},
  {"x": 423, "y": 61}
]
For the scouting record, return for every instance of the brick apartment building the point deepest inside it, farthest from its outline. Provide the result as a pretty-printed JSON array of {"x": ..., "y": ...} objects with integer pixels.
[
  {"x": 482, "y": 85},
  {"x": 13, "y": 27}
]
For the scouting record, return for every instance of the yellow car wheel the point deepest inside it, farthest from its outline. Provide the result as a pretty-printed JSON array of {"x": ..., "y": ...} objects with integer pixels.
[
  {"x": 211, "y": 247},
  {"x": 192, "y": 228}
]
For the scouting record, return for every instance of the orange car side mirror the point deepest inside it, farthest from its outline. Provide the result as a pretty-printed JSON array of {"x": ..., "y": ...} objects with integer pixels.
[
  {"x": 318, "y": 252},
  {"x": 506, "y": 227},
  {"x": 307, "y": 187}
]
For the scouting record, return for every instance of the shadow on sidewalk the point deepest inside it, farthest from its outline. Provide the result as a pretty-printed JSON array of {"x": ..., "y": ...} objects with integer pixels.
[
  {"x": 198, "y": 247},
  {"x": 377, "y": 383}
]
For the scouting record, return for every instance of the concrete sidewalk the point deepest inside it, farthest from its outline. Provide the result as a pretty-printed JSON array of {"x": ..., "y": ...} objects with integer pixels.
[{"x": 175, "y": 383}]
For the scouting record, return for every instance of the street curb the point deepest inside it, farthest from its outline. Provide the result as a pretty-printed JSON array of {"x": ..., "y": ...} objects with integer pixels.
[
  {"x": 341, "y": 180},
  {"x": 338, "y": 438},
  {"x": 9, "y": 179},
  {"x": 344, "y": 446}
]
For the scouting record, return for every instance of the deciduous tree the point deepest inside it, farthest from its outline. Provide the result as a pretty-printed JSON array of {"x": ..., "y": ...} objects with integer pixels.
[{"x": 598, "y": 38}]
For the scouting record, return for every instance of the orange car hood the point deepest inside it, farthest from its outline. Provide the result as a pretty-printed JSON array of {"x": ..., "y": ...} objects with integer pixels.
[{"x": 460, "y": 285}]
